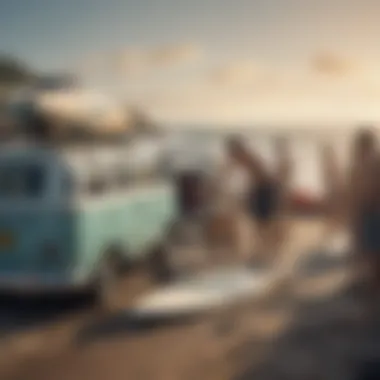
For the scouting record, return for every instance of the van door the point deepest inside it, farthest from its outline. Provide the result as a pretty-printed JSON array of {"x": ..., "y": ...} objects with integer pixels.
[
  {"x": 28, "y": 220},
  {"x": 153, "y": 208}
]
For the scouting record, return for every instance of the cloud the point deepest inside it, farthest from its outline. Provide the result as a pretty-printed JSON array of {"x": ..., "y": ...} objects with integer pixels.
[
  {"x": 236, "y": 73},
  {"x": 90, "y": 64},
  {"x": 333, "y": 65},
  {"x": 127, "y": 62},
  {"x": 245, "y": 76},
  {"x": 338, "y": 75},
  {"x": 138, "y": 60},
  {"x": 327, "y": 84},
  {"x": 132, "y": 61},
  {"x": 172, "y": 55}
]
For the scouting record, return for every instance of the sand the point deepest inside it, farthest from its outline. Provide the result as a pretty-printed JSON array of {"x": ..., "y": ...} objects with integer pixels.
[{"x": 307, "y": 325}]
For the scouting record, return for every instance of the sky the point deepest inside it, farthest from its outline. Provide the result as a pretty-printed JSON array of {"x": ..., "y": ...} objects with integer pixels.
[{"x": 211, "y": 61}]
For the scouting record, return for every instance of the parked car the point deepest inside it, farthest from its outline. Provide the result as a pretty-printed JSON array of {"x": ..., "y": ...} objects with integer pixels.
[{"x": 71, "y": 218}]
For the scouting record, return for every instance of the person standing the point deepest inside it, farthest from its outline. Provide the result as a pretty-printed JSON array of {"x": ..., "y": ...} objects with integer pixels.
[
  {"x": 333, "y": 201},
  {"x": 357, "y": 208},
  {"x": 226, "y": 189},
  {"x": 267, "y": 194}
]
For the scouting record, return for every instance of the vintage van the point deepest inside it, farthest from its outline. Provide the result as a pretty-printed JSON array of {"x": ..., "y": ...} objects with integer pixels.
[{"x": 70, "y": 217}]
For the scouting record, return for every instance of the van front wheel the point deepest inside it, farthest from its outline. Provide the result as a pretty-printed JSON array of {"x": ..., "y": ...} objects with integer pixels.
[
  {"x": 107, "y": 284},
  {"x": 161, "y": 265}
]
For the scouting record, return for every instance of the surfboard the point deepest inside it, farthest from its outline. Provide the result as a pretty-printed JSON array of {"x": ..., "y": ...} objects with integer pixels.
[
  {"x": 211, "y": 290},
  {"x": 331, "y": 255},
  {"x": 202, "y": 293}
]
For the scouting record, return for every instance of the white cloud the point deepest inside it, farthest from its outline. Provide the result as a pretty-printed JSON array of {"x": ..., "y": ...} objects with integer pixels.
[
  {"x": 327, "y": 85},
  {"x": 173, "y": 55},
  {"x": 334, "y": 65},
  {"x": 245, "y": 76},
  {"x": 236, "y": 73},
  {"x": 132, "y": 61}
]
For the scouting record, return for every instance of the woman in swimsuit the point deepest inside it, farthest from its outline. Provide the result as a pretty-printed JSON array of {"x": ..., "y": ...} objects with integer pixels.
[
  {"x": 267, "y": 194},
  {"x": 357, "y": 193},
  {"x": 358, "y": 202},
  {"x": 364, "y": 200},
  {"x": 228, "y": 192}
]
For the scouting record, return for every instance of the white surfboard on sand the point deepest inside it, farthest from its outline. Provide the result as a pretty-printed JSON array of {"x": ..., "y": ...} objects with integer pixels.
[
  {"x": 340, "y": 245},
  {"x": 223, "y": 287},
  {"x": 203, "y": 293}
]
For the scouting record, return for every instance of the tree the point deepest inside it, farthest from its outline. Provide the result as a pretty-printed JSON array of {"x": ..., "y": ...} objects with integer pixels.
[{"x": 13, "y": 72}]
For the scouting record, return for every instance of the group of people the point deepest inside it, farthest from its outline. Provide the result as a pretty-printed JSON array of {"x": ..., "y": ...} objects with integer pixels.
[{"x": 351, "y": 199}]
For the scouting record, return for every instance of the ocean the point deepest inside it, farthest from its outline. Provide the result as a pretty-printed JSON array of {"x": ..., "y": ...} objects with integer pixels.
[{"x": 305, "y": 147}]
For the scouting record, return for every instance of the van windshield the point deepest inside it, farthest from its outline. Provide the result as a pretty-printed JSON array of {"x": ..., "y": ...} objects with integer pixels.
[{"x": 23, "y": 181}]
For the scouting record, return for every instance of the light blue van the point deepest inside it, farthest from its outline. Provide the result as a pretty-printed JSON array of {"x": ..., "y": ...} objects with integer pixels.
[{"x": 70, "y": 217}]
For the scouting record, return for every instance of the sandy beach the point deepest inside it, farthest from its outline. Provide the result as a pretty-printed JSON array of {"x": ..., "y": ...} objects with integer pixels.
[{"x": 307, "y": 324}]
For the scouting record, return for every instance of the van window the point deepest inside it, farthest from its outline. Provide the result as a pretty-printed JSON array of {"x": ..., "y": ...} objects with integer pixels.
[{"x": 22, "y": 181}]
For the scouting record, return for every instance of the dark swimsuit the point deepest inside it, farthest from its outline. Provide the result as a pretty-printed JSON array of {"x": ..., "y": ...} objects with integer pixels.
[
  {"x": 263, "y": 201},
  {"x": 368, "y": 229}
]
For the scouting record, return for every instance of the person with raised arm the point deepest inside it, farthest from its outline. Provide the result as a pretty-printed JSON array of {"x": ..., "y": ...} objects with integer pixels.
[
  {"x": 266, "y": 194},
  {"x": 228, "y": 193}
]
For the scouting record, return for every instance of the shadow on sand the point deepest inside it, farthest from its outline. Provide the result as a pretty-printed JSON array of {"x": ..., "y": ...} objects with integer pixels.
[
  {"x": 330, "y": 338},
  {"x": 321, "y": 262},
  {"x": 20, "y": 313},
  {"x": 123, "y": 323}
]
